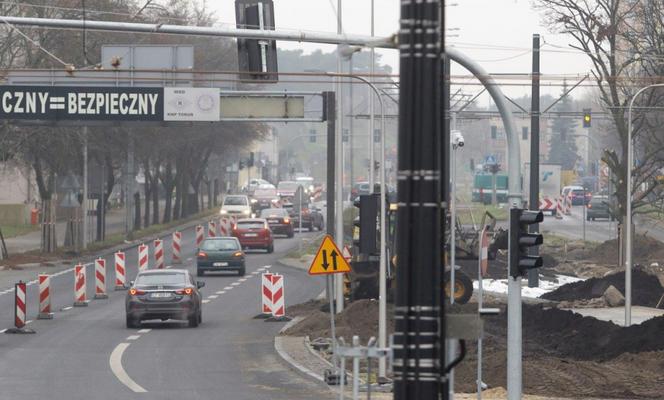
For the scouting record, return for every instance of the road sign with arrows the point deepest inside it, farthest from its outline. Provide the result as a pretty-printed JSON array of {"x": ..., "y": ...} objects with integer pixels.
[{"x": 329, "y": 259}]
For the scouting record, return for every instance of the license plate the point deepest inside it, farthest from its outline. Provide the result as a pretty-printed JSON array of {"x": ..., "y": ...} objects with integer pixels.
[
  {"x": 220, "y": 264},
  {"x": 160, "y": 295},
  {"x": 272, "y": 221},
  {"x": 250, "y": 234}
]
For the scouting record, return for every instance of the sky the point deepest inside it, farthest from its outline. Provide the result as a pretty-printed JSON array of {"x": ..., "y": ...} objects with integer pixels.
[{"x": 495, "y": 33}]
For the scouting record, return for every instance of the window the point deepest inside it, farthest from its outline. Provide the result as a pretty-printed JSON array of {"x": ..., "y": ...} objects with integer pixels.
[
  {"x": 494, "y": 132},
  {"x": 273, "y": 212},
  {"x": 251, "y": 225},
  {"x": 219, "y": 245},
  {"x": 161, "y": 279},
  {"x": 524, "y": 133},
  {"x": 235, "y": 201}
]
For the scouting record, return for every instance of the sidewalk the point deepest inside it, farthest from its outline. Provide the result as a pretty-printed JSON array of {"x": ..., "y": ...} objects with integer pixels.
[{"x": 115, "y": 223}]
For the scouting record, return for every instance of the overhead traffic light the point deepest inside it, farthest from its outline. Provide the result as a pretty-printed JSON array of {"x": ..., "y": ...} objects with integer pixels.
[
  {"x": 587, "y": 118},
  {"x": 240, "y": 165},
  {"x": 365, "y": 223},
  {"x": 376, "y": 136},
  {"x": 257, "y": 58},
  {"x": 520, "y": 241},
  {"x": 250, "y": 162}
]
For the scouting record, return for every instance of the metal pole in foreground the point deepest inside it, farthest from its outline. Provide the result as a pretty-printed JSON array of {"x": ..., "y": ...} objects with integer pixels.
[
  {"x": 514, "y": 367},
  {"x": 628, "y": 227},
  {"x": 372, "y": 126},
  {"x": 452, "y": 213},
  {"x": 339, "y": 215},
  {"x": 533, "y": 199},
  {"x": 85, "y": 187},
  {"x": 329, "y": 106},
  {"x": 479, "y": 308}
]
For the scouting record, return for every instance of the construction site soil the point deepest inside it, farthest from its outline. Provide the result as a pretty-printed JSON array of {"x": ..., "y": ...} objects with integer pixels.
[
  {"x": 564, "y": 354},
  {"x": 648, "y": 294}
]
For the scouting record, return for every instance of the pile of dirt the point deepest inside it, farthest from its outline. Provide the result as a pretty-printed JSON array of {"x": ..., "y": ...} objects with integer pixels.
[
  {"x": 646, "y": 250},
  {"x": 647, "y": 289},
  {"x": 358, "y": 318}
]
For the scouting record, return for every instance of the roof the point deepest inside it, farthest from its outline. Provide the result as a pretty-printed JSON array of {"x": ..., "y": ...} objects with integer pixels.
[{"x": 164, "y": 271}]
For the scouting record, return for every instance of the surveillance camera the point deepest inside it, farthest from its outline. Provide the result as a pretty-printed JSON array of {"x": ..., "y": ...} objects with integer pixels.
[{"x": 457, "y": 139}]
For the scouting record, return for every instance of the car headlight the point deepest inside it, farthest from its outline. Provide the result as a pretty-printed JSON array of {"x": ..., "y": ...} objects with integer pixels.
[
  {"x": 247, "y": 212},
  {"x": 254, "y": 201},
  {"x": 223, "y": 212}
]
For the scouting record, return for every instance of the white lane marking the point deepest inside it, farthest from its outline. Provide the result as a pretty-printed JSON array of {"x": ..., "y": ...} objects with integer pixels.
[
  {"x": 242, "y": 280},
  {"x": 28, "y": 321},
  {"x": 205, "y": 301},
  {"x": 235, "y": 283},
  {"x": 168, "y": 266},
  {"x": 189, "y": 259},
  {"x": 115, "y": 361},
  {"x": 3, "y": 331},
  {"x": 64, "y": 271},
  {"x": 248, "y": 276},
  {"x": 67, "y": 308},
  {"x": 144, "y": 330},
  {"x": 228, "y": 288},
  {"x": 212, "y": 296},
  {"x": 133, "y": 337},
  {"x": 268, "y": 266},
  {"x": 256, "y": 272},
  {"x": 221, "y": 292}
]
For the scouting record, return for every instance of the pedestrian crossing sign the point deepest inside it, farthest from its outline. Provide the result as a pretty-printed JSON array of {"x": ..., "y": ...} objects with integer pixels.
[{"x": 329, "y": 259}]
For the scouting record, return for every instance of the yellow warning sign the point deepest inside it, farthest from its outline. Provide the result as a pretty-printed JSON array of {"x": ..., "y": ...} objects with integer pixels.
[{"x": 329, "y": 259}]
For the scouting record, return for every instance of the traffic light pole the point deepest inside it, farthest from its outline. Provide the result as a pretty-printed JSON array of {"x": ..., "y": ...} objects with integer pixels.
[
  {"x": 514, "y": 311},
  {"x": 533, "y": 199}
]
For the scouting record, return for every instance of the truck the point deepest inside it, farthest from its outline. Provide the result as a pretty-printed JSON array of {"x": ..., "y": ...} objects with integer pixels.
[
  {"x": 550, "y": 185},
  {"x": 483, "y": 188}
]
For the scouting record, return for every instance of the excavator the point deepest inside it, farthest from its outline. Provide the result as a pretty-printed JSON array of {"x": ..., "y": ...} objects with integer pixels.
[{"x": 362, "y": 281}]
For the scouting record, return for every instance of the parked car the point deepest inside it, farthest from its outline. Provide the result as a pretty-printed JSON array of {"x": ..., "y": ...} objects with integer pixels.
[
  {"x": 598, "y": 208},
  {"x": 164, "y": 294},
  {"x": 218, "y": 254},
  {"x": 279, "y": 221},
  {"x": 237, "y": 204},
  {"x": 254, "y": 233}
]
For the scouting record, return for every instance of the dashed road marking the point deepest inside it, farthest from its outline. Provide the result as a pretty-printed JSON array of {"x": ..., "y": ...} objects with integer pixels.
[
  {"x": 212, "y": 296},
  {"x": 133, "y": 337},
  {"x": 242, "y": 280},
  {"x": 115, "y": 361},
  {"x": 144, "y": 330},
  {"x": 256, "y": 272},
  {"x": 235, "y": 283},
  {"x": 66, "y": 308},
  {"x": 221, "y": 292},
  {"x": 3, "y": 331},
  {"x": 28, "y": 321},
  {"x": 205, "y": 301},
  {"x": 189, "y": 259},
  {"x": 228, "y": 288}
]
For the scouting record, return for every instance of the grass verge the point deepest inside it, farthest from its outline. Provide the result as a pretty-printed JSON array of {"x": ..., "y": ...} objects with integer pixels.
[{"x": 10, "y": 231}]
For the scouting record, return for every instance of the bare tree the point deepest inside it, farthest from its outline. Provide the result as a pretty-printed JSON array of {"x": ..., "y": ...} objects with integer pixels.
[{"x": 604, "y": 31}]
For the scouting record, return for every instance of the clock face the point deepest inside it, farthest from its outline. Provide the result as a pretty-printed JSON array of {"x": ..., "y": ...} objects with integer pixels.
[{"x": 205, "y": 102}]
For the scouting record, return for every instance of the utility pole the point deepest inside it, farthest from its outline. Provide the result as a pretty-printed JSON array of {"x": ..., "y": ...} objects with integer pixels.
[
  {"x": 339, "y": 218},
  {"x": 533, "y": 199},
  {"x": 419, "y": 351},
  {"x": 85, "y": 187},
  {"x": 329, "y": 113},
  {"x": 372, "y": 125}
]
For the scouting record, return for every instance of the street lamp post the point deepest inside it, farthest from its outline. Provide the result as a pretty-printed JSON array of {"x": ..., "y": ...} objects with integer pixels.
[{"x": 628, "y": 217}]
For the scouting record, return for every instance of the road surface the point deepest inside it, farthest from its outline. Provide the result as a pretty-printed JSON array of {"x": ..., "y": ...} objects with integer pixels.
[{"x": 87, "y": 353}]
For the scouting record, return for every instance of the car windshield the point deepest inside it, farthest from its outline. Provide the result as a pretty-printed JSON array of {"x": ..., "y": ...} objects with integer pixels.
[
  {"x": 220, "y": 245},
  {"x": 599, "y": 201},
  {"x": 273, "y": 212},
  {"x": 161, "y": 279},
  {"x": 288, "y": 186},
  {"x": 250, "y": 225},
  {"x": 578, "y": 192},
  {"x": 235, "y": 201},
  {"x": 265, "y": 193}
]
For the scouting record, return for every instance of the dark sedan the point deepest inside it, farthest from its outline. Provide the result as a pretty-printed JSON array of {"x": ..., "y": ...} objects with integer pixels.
[
  {"x": 218, "y": 254},
  {"x": 279, "y": 221},
  {"x": 164, "y": 294},
  {"x": 264, "y": 198}
]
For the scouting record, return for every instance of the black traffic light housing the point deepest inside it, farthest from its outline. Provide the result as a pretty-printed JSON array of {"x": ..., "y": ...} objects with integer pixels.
[
  {"x": 521, "y": 240},
  {"x": 366, "y": 222},
  {"x": 257, "y": 58},
  {"x": 587, "y": 118},
  {"x": 240, "y": 165},
  {"x": 250, "y": 161}
]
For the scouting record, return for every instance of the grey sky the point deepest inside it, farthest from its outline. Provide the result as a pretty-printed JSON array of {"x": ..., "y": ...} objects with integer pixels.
[{"x": 497, "y": 33}]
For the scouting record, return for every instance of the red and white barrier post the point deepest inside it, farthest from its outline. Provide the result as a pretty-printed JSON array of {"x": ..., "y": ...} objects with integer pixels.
[
  {"x": 568, "y": 203},
  {"x": 80, "y": 298},
  {"x": 278, "y": 303},
  {"x": 212, "y": 229},
  {"x": 120, "y": 271},
  {"x": 159, "y": 254},
  {"x": 225, "y": 226},
  {"x": 559, "y": 208},
  {"x": 199, "y": 235},
  {"x": 100, "y": 279},
  {"x": 142, "y": 257},
  {"x": 20, "y": 311},
  {"x": 266, "y": 294},
  {"x": 176, "y": 246},
  {"x": 44, "y": 297}
]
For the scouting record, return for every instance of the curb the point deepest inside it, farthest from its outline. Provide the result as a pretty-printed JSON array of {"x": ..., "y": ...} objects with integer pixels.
[{"x": 289, "y": 361}]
